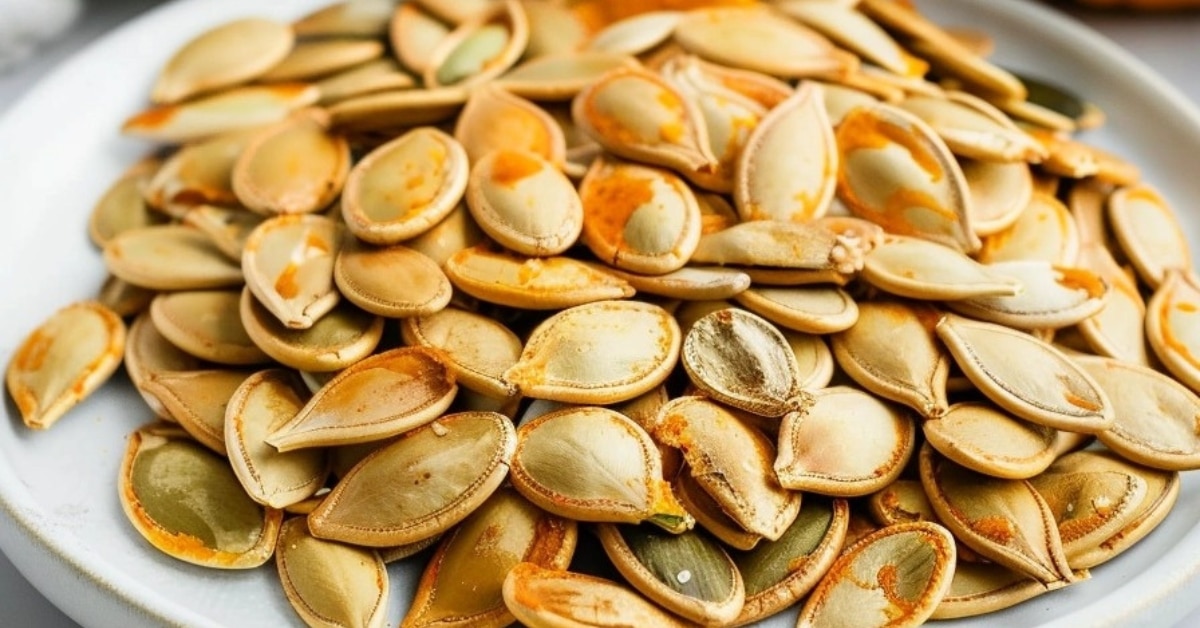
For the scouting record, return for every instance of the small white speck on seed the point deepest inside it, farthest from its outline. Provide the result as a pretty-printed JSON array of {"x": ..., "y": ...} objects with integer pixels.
[{"x": 683, "y": 577}]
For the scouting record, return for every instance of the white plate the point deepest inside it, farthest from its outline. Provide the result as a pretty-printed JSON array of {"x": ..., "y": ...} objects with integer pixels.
[{"x": 60, "y": 522}]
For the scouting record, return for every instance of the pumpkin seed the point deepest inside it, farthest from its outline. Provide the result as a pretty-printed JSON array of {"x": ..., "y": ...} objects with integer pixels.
[
  {"x": 638, "y": 218},
  {"x": 819, "y": 253},
  {"x": 920, "y": 269},
  {"x": 331, "y": 584},
  {"x": 986, "y": 440},
  {"x": 462, "y": 584},
  {"x": 537, "y": 596},
  {"x": 227, "y": 229},
  {"x": 1173, "y": 327},
  {"x": 288, "y": 264},
  {"x": 896, "y": 172},
  {"x": 973, "y": 128},
  {"x": 122, "y": 206},
  {"x": 553, "y": 28},
  {"x": 148, "y": 352},
  {"x": 524, "y": 202},
  {"x": 902, "y": 501},
  {"x": 893, "y": 352},
  {"x": 1000, "y": 194},
  {"x": 396, "y": 110},
  {"x": 200, "y": 172},
  {"x": 1026, "y": 376},
  {"x": 562, "y": 75},
  {"x": 558, "y": 467},
  {"x": 636, "y": 34},
  {"x": 229, "y": 54},
  {"x": 197, "y": 401},
  {"x": 482, "y": 47},
  {"x": 759, "y": 39},
  {"x": 496, "y": 119},
  {"x": 1052, "y": 297},
  {"x": 539, "y": 283},
  {"x": 380, "y": 75},
  {"x": 1005, "y": 521},
  {"x": 774, "y": 179},
  {"x": 206, "y": 324},
  {"x": 295, "y": 167},
  {"x": 349, "y": 18},
  {"x": 477, "y": 349},
  {"x": 404, "y": 187},
  {"x": 981, "y": 588},
  {"x": 185, "y": 500},
  {"x": 415, "y": 35},
  {"x": 312, "y": 59},
  {"x": 814, "y": 310},
  {"x": 692, "y": 283},
  {"x": 263, "y": 402},
  {"x": 1043, "y": 231},
  {"x": 440, "y": 473},
  {"x": 895, "y": 576},
  {"x": 707, "y": 511},
  {"x": 230, "y": 110},
  {"x": 845, "y": 443},
  {"x": 742, "y": 360},
  {"x": 339, "y": 339},
  {"x": 63, "y": 360},
  {"x": 170, "y": 257},
  {"x": 731, "y": 461},
  {"x": 127, "y": 300},
  {"x": 630, "y": 346},
  {"x": 457, "y": 231},
  {"x": 852, "y": 30},
  {"x": 393, "y": 281}
]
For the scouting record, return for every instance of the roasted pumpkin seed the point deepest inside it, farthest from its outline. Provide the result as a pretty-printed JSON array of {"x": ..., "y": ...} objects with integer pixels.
[
  {"x": 206, "y": 324},
  {"x": 538, "y": 596},
  {"x": 331, "y": 584}
]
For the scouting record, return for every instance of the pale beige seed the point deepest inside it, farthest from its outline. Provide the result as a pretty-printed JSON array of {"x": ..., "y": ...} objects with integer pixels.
[
  {"x": 814, "y": 361},
  {"x": 185, "y": 501},
  {"x": 778, "y": 180},
  {"x": 455, "y": 232},
  {"x": 147, "y": 352},
  {"x": 637, "y": 115},
  {"x": 1093, "y": 495},
  {"x": 170, "y": 257},
  {"x": 731, "y": 461},
  {"x": 331, "y": 585},
  {"x": 463, "y": 580},
  {"x": 541, "y": 598},
  {"x": 415, "y": 34},
  {"x": 814, "y": 310},
  {"x": 288, "y": 264},
  {"x": 342, "y": 337},
  {"x": 314, "y": 58},
  {"x": 384, "y": 395},
  {"x": 987, "y": 440},
  {"x": 228, "y": 229},
  {"x": 689, "y": 573},
  {"x": 127, "y": 300},
  {"x": 852, "y": 30},
  {"x": 1026, "y": 376},
  {"x": 496, "y": 119},
  {"x": 690, "y": 283},
  {"x": 742, "y": 360},
  {"x": 404, "y": 187},
  {"x": 778, "y": 574},
  {"x": 263, "y": 402},
  {"x": 553, "y": 28},
  {"x": 1173, "y": 326},
  {"x": 295, "y": 167},
  {"x": 63, "y": 360},
  {"x": 707, "y": 511},
  {"x": 759, "y": 39},
  {"x": 372, "y": 77},
  {"x": 600, "y": 353},
  {"x": 534, "y": 283},
  {"x": 122, "y": 205},
  {"x": 1044, "y": 231},
  {"x": 893, "y": 352},
  {"x": 481, "y": 48},
  {"x": 973, "y": 128},
  {"x": 196, "y": 400},
  {"x": 558, "y": 467},
  {"x": 920, "y": 269},
  {"x": 639, "y": 218},
  {"x": 477, "y": 349},
  {"x": 896, "y": 172},
  {"x": 230, "y": 110},
  {"x": 1005, "y": 521},
  {"x": 810, "y": 247},
  {"x": 845, "y": 443},
  {"x": 200, "y": 172},
  {"x": 439, "y": 474},
  {"x": 349, "y": 18},
  {"x": 841, "y": 99},
  {"x": 393, "y": 281},
  {"x": 895, "y": 576},
  {"x": 227, "y": 55},
  {"x": 1052, "y": 297},
  {"x": 635, "y": 34},
  {"x": 206, "y": 324},
  {"x": 562, "y": 75},
  {"x": 1156, "y": 416},
  {"x": 981, "y": 588},
  {"x": 766, "y": 91},
  {"x": 1000, "y": 193},
  {"x": 395, "y": 111},
  {"x": 524, "y": 202}
]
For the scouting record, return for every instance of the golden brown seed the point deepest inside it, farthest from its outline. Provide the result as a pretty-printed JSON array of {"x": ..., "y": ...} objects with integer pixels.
[
  {"x": 1149, "y": 233},
  {"x": 342, "y": 337},
  {"x": 532, "y": 283},
  {"x": 197, "y": 400},
  {"x": 987, "y": 440},
  {"x": 477, "y": 349},
  {"x": 227, "y": 55},
  {"x": 494, "y": 119},
  {"x": 1173, "y": 326},
  {"x": 314, "y": 58},
  {"x": 814, "y": 310},
  {"x": 759, "y": 39},
  {"x": 65, "y": 359},
  {"x": 122, "y": 205},
  {"x": 230, "y": 110},
  {"x": 288, "y": 265},
  {"x": 394, "y": 281},
  {"x": 1051, "y": 297},
  {"x": 295, "y": 167},
  {"x": 170, "y": 257},
  {"x": 541, "y": 598},
  {"x": 331, "y": 584},
  {"x": 147, "y": 352},
  {"x": 980, "y": 588},
  {"x": 206, "y": 324}
]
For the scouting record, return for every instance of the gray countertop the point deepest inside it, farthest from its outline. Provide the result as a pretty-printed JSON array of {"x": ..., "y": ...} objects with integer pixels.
[{"x": 1166, "y": 42}]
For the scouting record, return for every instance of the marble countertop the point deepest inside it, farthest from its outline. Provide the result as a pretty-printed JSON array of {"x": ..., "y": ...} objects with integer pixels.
[{"x": 1165, "y": 42}]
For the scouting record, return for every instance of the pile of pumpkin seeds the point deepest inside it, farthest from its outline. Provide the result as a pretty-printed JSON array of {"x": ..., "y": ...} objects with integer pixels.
[{"x": 800, "y": 303}]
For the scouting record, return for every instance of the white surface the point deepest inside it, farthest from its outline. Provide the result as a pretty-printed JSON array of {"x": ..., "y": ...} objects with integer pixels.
[{"x": 1166, "y": 43}]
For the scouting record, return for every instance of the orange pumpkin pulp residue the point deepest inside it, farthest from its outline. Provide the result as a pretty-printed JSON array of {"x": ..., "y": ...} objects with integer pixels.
[
  {"x": 996, "y": 529},
  {"x": 596, "y": 14},
  {"x": 610, "y": 201},
  {"x": 864, "y": 130},
  {"x": 509, "y": 167},
  {"x": 1168, "y": 335},
  {"x": 1076, "y": 279}
]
